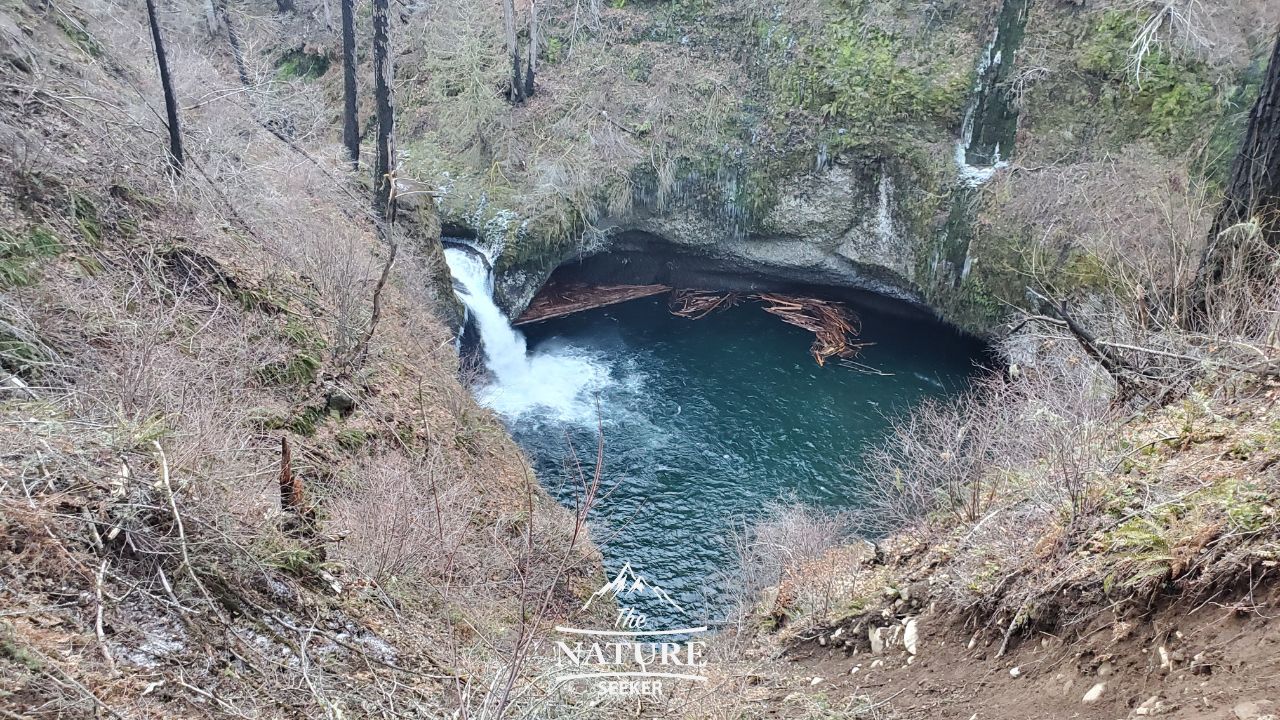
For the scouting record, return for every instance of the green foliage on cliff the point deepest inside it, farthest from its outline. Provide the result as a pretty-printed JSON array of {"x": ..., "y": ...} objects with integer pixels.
[
  {"x": 871, "y": 80},
  {"x": 1167, "y": 96}
]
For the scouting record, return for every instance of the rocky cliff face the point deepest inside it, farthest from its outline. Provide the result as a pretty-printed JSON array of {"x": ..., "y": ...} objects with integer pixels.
[
  {"x": 855, "y": 146},
  {"x": 841, "y": 227}
]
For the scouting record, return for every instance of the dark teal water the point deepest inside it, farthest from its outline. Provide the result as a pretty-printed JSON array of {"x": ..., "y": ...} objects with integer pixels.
[{"x": 705, "y": 421}]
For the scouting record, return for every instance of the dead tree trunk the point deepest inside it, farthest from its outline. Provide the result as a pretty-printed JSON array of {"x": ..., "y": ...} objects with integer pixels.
[
  {"x": 384, "y": 180},
  {"x": 1130, "y": 381},
  {"x": 211, "y": 17},
  {"x": 233, "y": 39},
  {"x": 533, "y": 49},
  {"x": 516, "y": 93},
  {"x": 176, "y": 159},
  {"x": 291, "y": 498},
  {"x": 350, "y": 125},
  {"x": 1253, "y": 196}
]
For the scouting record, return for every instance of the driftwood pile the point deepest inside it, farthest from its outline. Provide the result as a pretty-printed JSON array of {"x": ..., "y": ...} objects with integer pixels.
[
  {"x": 697, "y": 304},
  {"x": 834, "y": 326}
]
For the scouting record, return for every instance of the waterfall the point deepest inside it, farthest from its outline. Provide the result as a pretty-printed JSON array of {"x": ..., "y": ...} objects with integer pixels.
[
  {"x": 991, "y": 119},
  {"x": 559, "y": 381},
  {"x": 504, "y": 347}
]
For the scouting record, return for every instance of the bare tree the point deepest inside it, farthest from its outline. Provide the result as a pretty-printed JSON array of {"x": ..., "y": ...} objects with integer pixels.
[
  {"x": 516, "y": 93},
  {"x": 176, "y": 158},
  {"x": 350, "y": 125},
  {"x": 233, "y": 39},
  {"x": 533, "y": 50},
  {"x": 383, "y": 180},
  {"x": 211, "y": 17},
  {"x": 1253, "y": 196}
]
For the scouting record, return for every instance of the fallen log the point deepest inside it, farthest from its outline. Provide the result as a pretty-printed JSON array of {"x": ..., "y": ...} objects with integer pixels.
[{"x": 561, "y": 300}]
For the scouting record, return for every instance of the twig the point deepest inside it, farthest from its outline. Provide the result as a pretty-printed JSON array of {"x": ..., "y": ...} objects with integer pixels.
[
  {"x": 177, "y": 520},
  {"x": 97, "y": 624}
]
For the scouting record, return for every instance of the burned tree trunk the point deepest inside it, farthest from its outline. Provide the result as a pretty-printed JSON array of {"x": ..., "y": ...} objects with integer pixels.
[
  {"x": 350, "y": 125},
  {"x": 516, "y": 93},
  {"x": 533, "y": 50},
  {"x": 1252, "y": 197},
  {"x": 291, "y": 497},
  {"x": 176, "y": 159},
  {"x": 233, "y": 39},
  {"x": 383, "y": 181}
]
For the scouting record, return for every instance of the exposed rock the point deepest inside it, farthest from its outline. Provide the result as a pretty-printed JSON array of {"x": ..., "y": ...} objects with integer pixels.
[
  {"x": 1255, "y": 710},
  {"x": 340, "y": 401},
  {"x": 1094, "y": 694},
  {"x": 844, "y": 227},
  {"x": 1154, "y": 706},
  {"x": 911, "y": 636}
]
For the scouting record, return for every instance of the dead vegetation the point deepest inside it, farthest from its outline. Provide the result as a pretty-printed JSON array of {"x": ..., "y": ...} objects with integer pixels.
[
  {"x": 1044, "y": 494},
  {"x": 162, "y": 339}
]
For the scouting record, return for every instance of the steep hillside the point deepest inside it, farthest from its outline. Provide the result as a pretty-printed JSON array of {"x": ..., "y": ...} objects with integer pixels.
[
  {"x": 223, "y": 490},
  {"x": 243, "y": 476}
]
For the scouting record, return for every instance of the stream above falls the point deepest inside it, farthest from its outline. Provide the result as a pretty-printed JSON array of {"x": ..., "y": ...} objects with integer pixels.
[{"x": 705, "y": 422}]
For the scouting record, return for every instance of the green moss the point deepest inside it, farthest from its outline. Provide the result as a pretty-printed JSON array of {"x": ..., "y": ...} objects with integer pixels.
[
  {"x": 640, "y": 68},
  {"x": 304, "y": 422},
  {"x": 20, "y": 255},
  {"x": 11, "y": 650},
  {"x": 353, "y": 440},
  {"x": 871, "y": 80},
  {"x": 77, "y": 35},
  {"x": 1170, "y": 98},
  {"x": 299, "y": 63}
]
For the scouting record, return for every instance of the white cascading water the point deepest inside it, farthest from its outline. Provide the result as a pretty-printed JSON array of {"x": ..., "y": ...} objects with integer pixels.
[
  {"x": 504, "y": 347},
  {"x": 557, "y": 382}
]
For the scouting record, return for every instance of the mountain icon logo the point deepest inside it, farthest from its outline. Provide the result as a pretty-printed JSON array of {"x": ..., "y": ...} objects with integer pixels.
[{"x": 627, "y": 584}]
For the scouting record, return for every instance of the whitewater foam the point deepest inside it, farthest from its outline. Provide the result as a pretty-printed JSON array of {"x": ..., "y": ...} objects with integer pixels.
[{"x": 559, "y": 381}]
